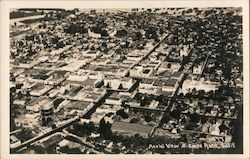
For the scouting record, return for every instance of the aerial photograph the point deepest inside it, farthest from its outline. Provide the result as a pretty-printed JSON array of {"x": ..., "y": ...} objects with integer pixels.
[{"x": 126, "y": 80}]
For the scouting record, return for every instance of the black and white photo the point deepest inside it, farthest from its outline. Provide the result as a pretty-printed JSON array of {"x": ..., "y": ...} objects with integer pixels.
[{"x": 132, "y": 80}]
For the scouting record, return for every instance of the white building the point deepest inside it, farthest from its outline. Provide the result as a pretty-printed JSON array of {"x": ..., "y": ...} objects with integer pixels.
[
  {"x": 118, "y": 83},
  {"x": 207, "y": 86},
  {"x": 197, "y": 70}
]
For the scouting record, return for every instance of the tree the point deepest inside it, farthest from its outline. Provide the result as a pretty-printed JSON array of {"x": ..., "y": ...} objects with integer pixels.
[
  {"x": 121, "y": 33},
  {"x": 44, "y": 25},
  {"x": 175, "y": 114},
  {"x": 201, "y": 94},
  {"x": 195, "y": 118},
  {"x": 181, "y": 95},
  {"x": 194, "y": 91},
  {"x": 121, "y": 113},
  {"x": 120, "y": 86},
  {"x": 60, "y": 44},
  {"x": 39, "y": 149},
  {"x": 149, "y": 10},
  {"x": 151, "y": 33},
  {"x": 200, "y": 105},
  {"x": 165, "y": 118},
  {"x": 135, "y": 120},
  {"x": 19, "y": 86},
  {"x": 68, "y": 150},
  {"x": 161, "y": 98},
  {"x": 91, "y": 126},
  {"x": 116, "y": 150},
  {"x": 29, "y": 37},
  {"x": 20, "y": 43},
  {"x": 83, "y": 129},
  {"x": 74, "y": 28},
  {"x": 53, "y": 126},
  {"x": 144, "y": 101},
  {"x": 136, "y": 36},
  {"x": 169, "y": 65},
  {"x": 99, "y": 30},
  {"x": 105, "y": 129},
  {"x": 190, "y": 10},
  {"x": 25, "y": 134},
  {"x": 108, "y": 85},
  {"x": 55, "y": 40},
  {"x": 148, "y": 118}
]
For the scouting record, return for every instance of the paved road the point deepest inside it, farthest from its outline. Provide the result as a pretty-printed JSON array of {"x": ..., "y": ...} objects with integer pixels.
[
  {"x": 150, "y": 51},
  {"x": 30, "y": 141},
  {"x": 205, "y": 64},
  {"x": 58, "y": 129},
  {"x": 87, "y": 144}
]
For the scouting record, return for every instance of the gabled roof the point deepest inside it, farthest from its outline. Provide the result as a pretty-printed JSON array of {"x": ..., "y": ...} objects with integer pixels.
[{"x": 131, "y": 128}]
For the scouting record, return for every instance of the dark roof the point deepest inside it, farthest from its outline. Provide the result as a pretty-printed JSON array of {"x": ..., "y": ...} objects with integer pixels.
[
  {"x": 165, "y": 74},
  {"x": 79, "y": 105},
  {"x": 158, "y": 83},
  {"x": 167, "y": 93},
  {"x": 72, "y": 82},
  {"x": 170, "y": 82},
  {"x": 36, "y": 72},
  {"x": 52, "y": 141},
  {"x": 36, "y": 101},
  {"x": 176, "y": 74},
  {"x": 131, "y": 128},
  {"x": 147, "y": 81}
]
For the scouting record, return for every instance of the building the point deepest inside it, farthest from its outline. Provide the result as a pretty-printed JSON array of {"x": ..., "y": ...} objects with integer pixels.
[
  {"x": 78, "y": 107},
  {"x": 39, "y": 89},
  {"x": 115, "y": 100},
  {"x": 74, "y": 66},
  {"x": 14, "y": 141},
  {"x": 141, "y": 72},
  {"x": 115, "y": 83},
  {"x": 170, "y": 85},
  {"x": 207, "y": 86},
  {"x": 33, "y": 105},
  {"x": 46, "y": 111},
  {"x": 197, "y": 70},
  {"x": 91, "y": 53},
  {"x": 169, "y": 66},
  {"x": 132, "y": 129}
]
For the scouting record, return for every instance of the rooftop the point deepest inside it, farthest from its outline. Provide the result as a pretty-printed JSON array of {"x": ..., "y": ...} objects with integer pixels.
[{"x": 131, "y": 128}]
